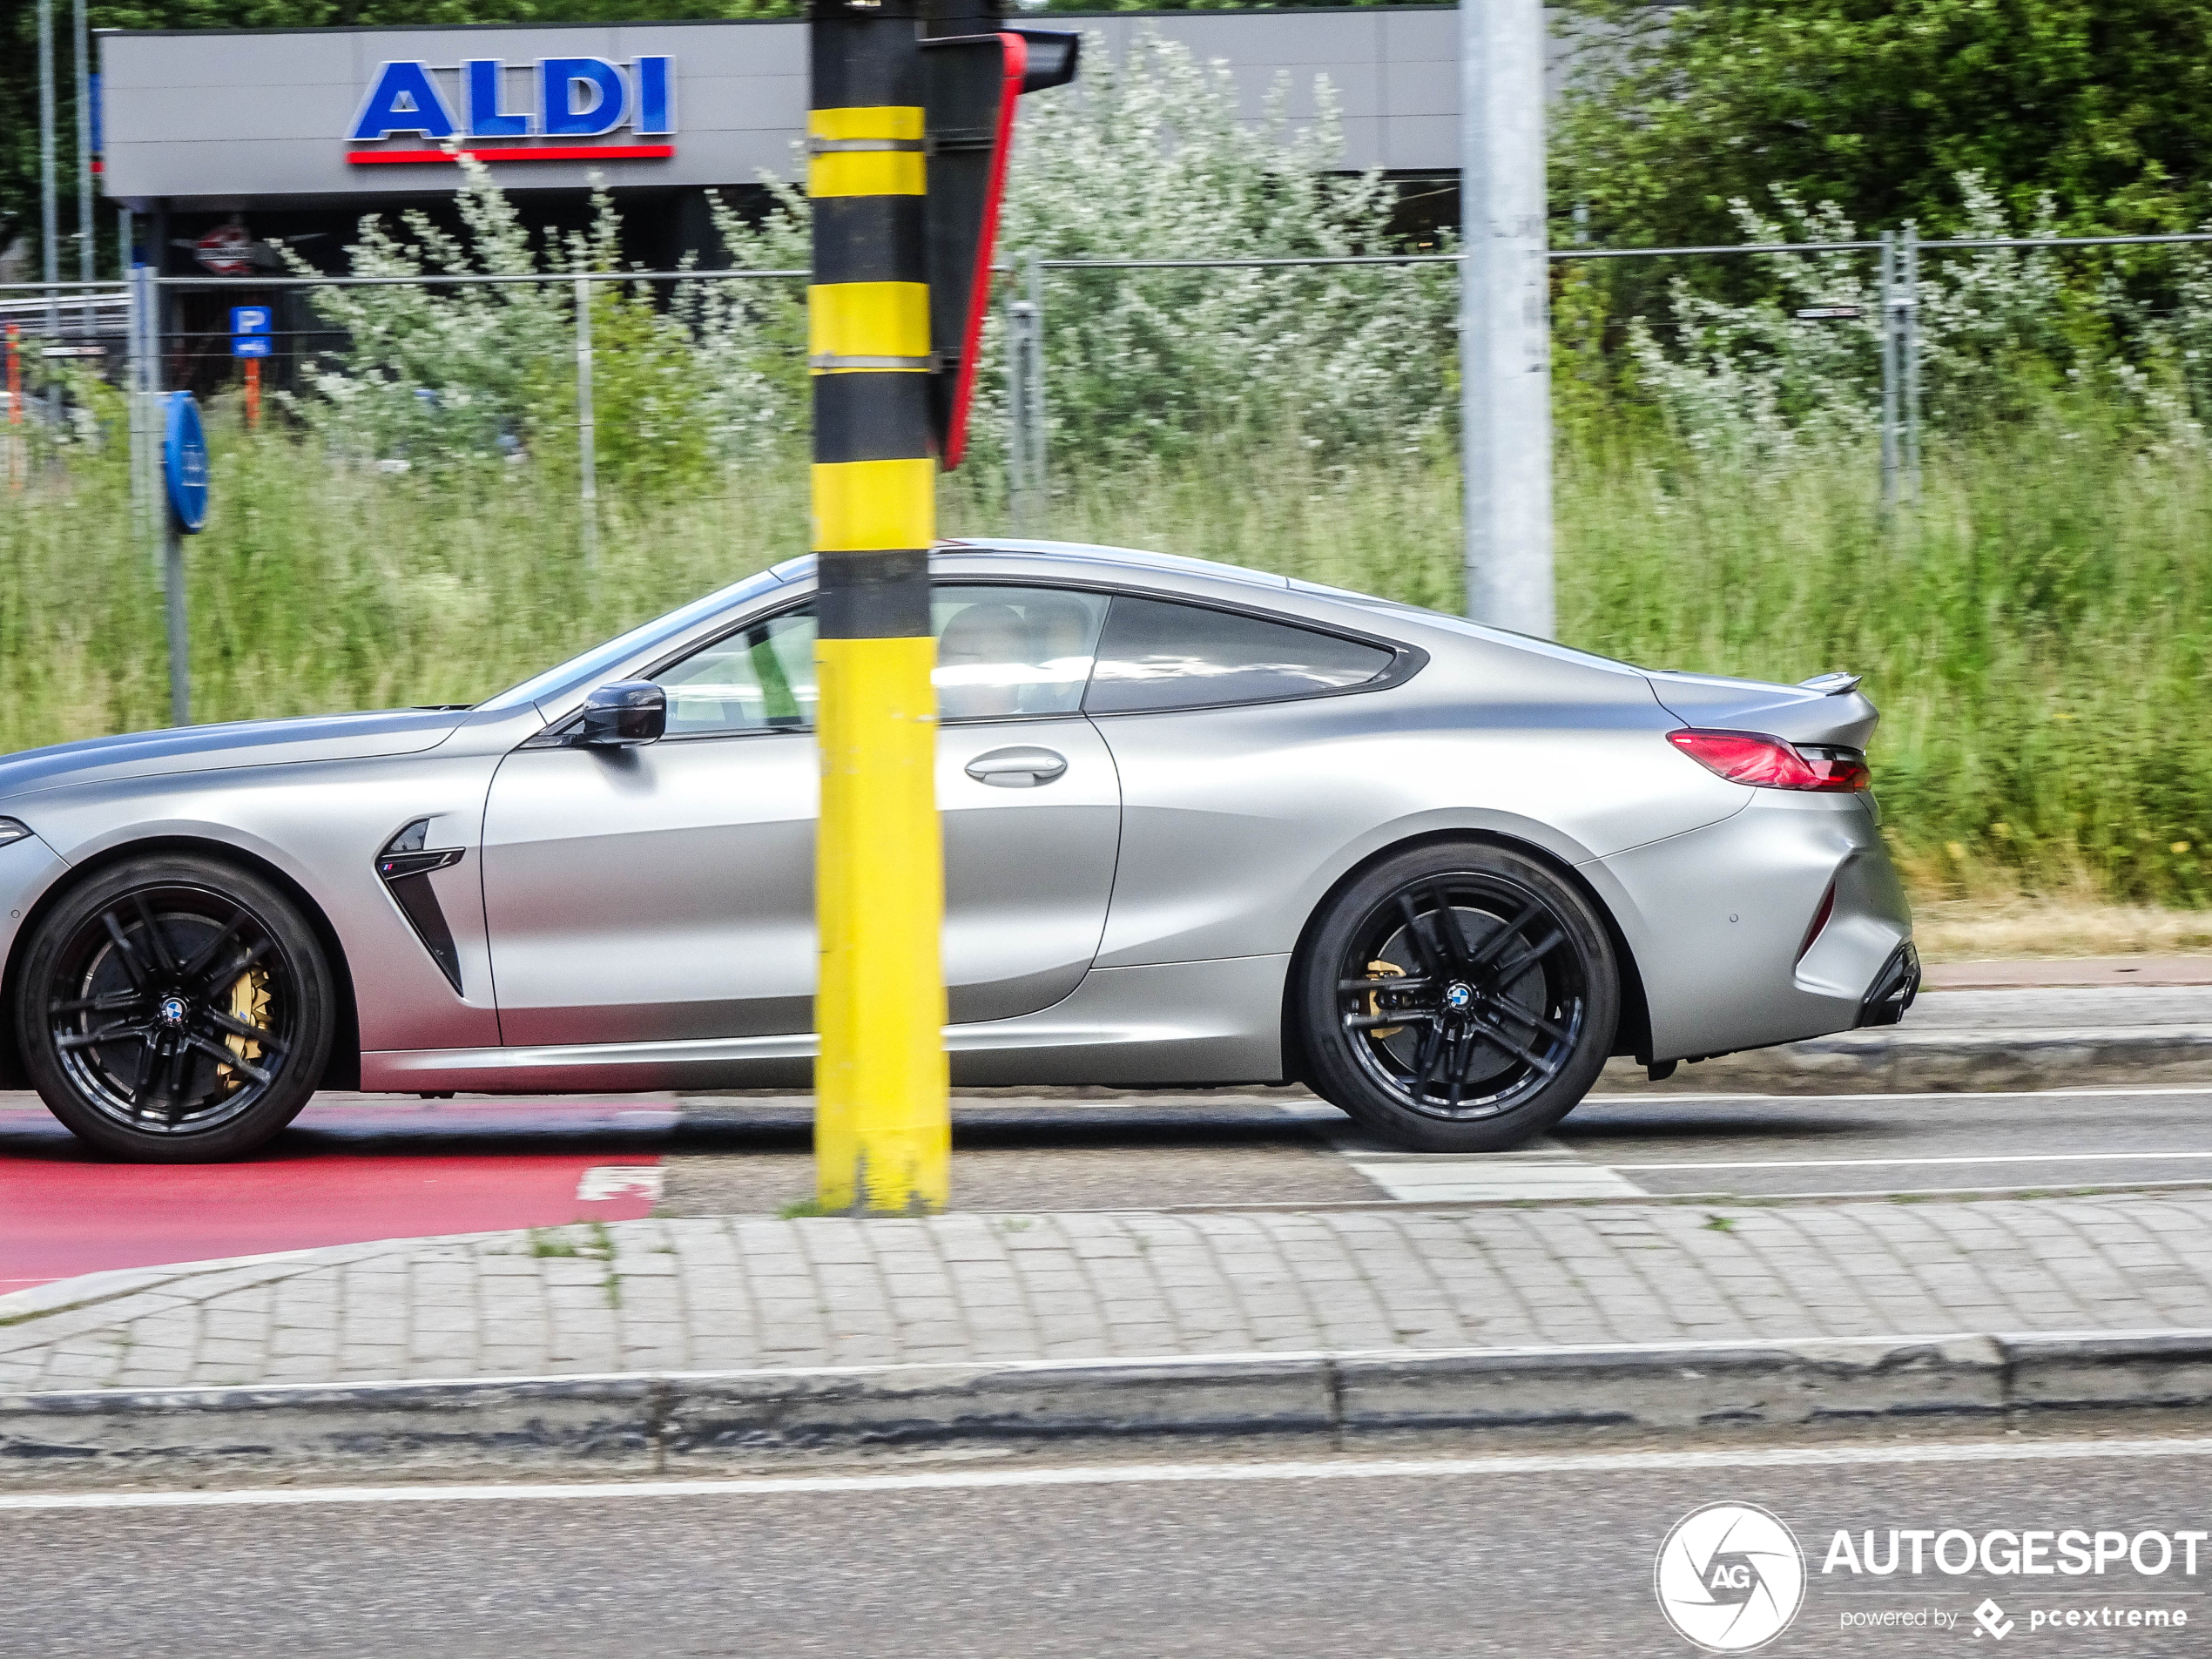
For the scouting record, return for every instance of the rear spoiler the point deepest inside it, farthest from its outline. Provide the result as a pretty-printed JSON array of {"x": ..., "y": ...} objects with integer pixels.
[{"x": 1832, "y": 684}]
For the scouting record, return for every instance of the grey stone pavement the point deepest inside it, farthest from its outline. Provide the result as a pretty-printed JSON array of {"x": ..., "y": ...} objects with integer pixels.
[{"x": 742, "y": 1293}]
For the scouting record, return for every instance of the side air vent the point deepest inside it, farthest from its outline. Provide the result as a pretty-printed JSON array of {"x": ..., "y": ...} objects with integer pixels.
[{"x": 405, "y": 865}]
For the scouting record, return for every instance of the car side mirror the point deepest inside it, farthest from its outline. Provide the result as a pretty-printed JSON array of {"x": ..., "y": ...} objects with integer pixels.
[{"x": 624, "y": 714}]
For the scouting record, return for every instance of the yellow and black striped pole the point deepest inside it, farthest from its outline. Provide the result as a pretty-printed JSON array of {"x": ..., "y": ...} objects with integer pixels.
[{"x": 882, "y": 1133}]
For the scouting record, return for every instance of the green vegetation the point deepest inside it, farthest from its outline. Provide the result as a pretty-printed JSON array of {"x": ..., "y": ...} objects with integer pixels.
[
  {"x": 408, "y": 531},
  {"x": 2036, "y": 635},
  {"x": 1874, "y": 107}
]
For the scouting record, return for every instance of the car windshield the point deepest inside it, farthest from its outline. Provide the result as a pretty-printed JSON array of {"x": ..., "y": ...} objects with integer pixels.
[{"x": 593, "y": 663}]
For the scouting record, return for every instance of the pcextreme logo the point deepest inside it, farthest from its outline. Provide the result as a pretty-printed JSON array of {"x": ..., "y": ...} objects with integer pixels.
[{"x": 1730, "y": 1577}]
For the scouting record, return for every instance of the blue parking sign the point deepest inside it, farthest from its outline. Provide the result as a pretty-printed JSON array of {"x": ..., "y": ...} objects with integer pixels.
[{"x": 250, "y": 331}]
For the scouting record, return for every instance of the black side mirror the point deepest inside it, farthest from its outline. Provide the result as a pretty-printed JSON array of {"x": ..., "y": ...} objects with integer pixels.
[{"x": 625, "y": 713}]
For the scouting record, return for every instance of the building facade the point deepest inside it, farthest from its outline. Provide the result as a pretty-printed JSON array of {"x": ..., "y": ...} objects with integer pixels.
[{"x": 223, "y": 145}]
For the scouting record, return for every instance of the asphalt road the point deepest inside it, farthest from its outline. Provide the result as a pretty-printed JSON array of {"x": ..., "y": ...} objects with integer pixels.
[
  {"x": 1549, "y": 1555},
  {"x": 358, "y": 1169},
  {"x": 1014, "y": 1154},
  {"x": 1898, "y": 1143}
]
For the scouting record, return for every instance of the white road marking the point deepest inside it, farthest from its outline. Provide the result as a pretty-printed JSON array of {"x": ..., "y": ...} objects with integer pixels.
[
  {"x": 605, "y": 1181},
  {"x": 1543, "y": 1168},
  {"x": 1992, "y": 1158},
  {"x": 1450, "y": 1180},
  {"x": 2021, "y": 1451}
]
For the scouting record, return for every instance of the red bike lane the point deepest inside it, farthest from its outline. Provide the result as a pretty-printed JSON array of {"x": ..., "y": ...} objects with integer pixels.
[{"x": 350, "y": 1171}]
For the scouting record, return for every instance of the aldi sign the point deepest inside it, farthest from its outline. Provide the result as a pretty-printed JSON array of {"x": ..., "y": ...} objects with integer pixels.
[{"x": 556, "y": 109}]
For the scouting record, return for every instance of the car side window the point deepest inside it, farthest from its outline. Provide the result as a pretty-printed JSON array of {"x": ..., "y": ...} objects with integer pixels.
[
  {"x": 1155, "y": 654},
  {"x": 760, "y": 678},
  {"x": 1009, "y": 653},
  {"x": 1003, "y": 652}
]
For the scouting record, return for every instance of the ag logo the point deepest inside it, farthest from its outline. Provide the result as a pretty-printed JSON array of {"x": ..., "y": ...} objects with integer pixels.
[{"x": 1730, "y": 1577}]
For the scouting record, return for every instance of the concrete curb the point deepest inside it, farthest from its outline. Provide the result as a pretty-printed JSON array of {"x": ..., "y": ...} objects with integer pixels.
[
  {"x": 1897, "y": 1060},
  {"x": 670, "y": 1421}
]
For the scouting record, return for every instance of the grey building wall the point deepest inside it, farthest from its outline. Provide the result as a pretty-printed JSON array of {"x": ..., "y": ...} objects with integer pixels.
[{"x": 207, "y": 120}]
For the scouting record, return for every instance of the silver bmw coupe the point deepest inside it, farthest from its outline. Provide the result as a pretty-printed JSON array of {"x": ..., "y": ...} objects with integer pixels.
[{"x": 1203, "y": 825}]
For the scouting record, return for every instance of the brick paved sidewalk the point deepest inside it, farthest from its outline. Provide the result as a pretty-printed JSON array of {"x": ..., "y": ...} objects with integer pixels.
[{"x": 741, "y": 1293}]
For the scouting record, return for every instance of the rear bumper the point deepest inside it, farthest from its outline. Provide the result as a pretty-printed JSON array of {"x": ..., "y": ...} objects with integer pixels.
[{"x": 1784, "y": 921}]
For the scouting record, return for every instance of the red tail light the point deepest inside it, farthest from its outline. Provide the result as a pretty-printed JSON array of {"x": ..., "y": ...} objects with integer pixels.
[{"x": 1769, "y": 763}]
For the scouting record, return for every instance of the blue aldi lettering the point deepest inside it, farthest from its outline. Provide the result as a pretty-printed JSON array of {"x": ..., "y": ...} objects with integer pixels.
[
  {"x": 656, "y": 114},
  {"x": 404, "y": 99},
  {"x": 582, "y": 97},
  {"x": 480, "y": 79},
  {"x": 578, "y": 97}
]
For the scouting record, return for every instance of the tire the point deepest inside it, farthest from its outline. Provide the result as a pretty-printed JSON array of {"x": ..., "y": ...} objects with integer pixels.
[
  {"x": 175, "y": 1009},
  {"x": 1506, "y": 1018}
]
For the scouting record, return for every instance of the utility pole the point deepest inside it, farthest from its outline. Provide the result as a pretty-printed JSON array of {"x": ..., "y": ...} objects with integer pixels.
[
  {"x": 883, "y": 1124},
  {"x": 49, "y": 209},
  {"x": 1028, "y": 492},
  {"x": 1505, "y": 327},
  {"x": 908, "y": 137},
  {"x": 84, "y": 238},
  {"x": 1887, "y": 283}
]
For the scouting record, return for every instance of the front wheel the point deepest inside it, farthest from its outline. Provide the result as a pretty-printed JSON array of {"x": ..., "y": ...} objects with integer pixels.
[
  {"x": 1459, "y": 998},
  {"x": 175, "y": 1010}
]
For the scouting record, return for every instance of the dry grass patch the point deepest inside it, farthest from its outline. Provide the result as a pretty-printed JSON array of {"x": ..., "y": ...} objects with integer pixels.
[{"x": 2030, "y": 929}]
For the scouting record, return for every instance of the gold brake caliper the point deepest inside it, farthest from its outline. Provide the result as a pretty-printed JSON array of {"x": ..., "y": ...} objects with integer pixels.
[
  {"x": 250, "y": 1005},
  {"x": 1388, "y": 970}
]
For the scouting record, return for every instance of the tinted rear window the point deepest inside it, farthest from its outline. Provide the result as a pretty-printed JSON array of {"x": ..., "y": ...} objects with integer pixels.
[{"x": 1156, "y": 655}]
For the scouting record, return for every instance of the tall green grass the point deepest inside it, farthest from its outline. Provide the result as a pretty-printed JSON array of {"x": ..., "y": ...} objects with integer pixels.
[{"x": 2035, "y": 632}]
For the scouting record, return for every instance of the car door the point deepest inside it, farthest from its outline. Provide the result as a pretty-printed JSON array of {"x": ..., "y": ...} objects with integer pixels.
[
  {"x": 1235, "y": 765},
  {"x": 1028, "y": 792},
  {"x": 667, "y": 892}
]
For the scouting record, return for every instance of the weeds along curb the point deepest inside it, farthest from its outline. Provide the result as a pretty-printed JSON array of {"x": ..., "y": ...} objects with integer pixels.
[{"x": 669, "y": 1422}]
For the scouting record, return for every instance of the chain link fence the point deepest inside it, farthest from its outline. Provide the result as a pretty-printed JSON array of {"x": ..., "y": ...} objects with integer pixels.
[
  {"x": 459, "y": 480},
  {"x": 404, "y": 371}
]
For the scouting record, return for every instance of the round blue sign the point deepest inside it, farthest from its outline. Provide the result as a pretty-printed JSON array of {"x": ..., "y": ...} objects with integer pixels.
[{"x": 184, "y": 462}]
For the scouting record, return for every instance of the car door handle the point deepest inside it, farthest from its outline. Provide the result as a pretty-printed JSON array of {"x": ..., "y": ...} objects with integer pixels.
[{"x": 1022, "y": 768}]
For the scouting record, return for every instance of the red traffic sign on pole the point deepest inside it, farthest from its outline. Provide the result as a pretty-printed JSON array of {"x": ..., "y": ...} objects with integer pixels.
[{"x": 970, "y": 83}]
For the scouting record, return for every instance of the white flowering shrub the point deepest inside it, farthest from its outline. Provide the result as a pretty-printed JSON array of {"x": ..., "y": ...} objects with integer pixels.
[
  {"x": 440, "y": 372},
  {"x": 1146, "y": 159},
  {"x": 1997, "y": 330},
  {"x": 447, "y": 374},
  {"x": 1751, "y": 380}
]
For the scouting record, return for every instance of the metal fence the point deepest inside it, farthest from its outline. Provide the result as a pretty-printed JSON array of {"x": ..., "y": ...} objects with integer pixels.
[{"x": 111, "y": 327}]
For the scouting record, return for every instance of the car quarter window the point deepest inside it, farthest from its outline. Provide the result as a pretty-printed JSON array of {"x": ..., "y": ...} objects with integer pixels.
[
  {"x": 760, "y": 678},
  {"x": 1007, "y": 652},
  {"x": 1159, "y": 655}
]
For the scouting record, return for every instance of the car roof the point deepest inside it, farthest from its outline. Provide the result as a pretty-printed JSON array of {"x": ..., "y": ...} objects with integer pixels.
[
  {"x": 1081, "y": 553},
  {"x": 1129, "y": 557}
]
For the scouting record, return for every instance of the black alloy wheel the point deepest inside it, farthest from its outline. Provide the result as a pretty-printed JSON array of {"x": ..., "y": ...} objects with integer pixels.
[
  {"x": 1459, "y": 998},
  {"x": 175, "y": 1010}
]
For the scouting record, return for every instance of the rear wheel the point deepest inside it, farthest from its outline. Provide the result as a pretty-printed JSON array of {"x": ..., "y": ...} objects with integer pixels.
[
  {"x": 175, "y": 1010},
  {"x": 1459, "y": 998}
]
